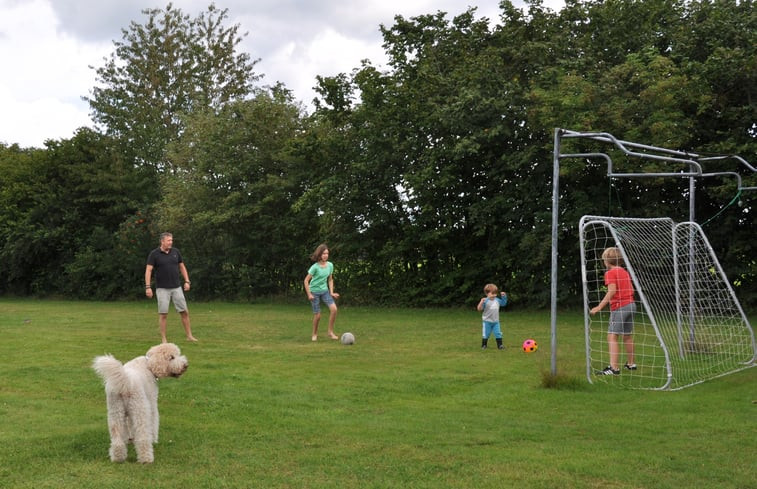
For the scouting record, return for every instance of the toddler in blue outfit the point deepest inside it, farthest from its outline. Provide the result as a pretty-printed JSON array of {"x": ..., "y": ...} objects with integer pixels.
[{"x": 489, "y": 306}]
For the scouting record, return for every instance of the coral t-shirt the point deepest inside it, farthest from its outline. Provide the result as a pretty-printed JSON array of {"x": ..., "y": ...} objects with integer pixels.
[{"x": 624, "y": 288}]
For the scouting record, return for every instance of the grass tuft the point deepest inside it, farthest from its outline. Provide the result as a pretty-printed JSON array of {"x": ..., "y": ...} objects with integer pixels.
[{"x": 562, "y": 381}]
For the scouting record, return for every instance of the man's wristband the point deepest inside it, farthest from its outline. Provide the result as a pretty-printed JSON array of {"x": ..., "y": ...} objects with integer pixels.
[{"x": 147, "y": 286}]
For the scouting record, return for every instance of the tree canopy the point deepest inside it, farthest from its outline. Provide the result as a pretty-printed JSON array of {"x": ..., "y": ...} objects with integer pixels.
[
  {"x": 165, "y": 69},
  {"x": 427, "y": 179}
]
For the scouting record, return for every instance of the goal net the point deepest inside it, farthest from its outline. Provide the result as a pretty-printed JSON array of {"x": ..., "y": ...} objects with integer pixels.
[{"x": 689, "y": 326}]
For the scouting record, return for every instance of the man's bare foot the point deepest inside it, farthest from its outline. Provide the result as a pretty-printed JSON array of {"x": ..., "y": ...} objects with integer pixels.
[
  {"x": 192, "y": 338},
  {"x": 333, "y": 336},
  {"x": 314, "y": 338}
]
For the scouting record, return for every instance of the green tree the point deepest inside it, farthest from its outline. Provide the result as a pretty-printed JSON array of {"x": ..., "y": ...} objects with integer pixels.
[
  {"x": 665, "y": 73},
  {"x": 22, "y": 251},
  {"x": 417, "y": 188},
  {"x": 427, "y": 179},
  {"x": 438, "y": 171},
  {"x": 164, "y": 69},
  {"x": 61, "y": 209},
  {"x": 230, "y": 201}
]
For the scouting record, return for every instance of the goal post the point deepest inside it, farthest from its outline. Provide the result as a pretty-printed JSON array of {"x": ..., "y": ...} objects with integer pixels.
[{"x": 688, "y": 327}]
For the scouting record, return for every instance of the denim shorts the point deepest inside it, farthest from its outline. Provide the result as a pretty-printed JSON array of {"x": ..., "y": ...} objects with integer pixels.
[
  {"x": 165, "y": 296},
  {"x": 324, "y": 296},
  {"x": 621, "y": 319}
]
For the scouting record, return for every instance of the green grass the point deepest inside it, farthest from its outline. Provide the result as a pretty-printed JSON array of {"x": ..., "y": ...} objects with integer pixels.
[{"x": 414, "y": 403}]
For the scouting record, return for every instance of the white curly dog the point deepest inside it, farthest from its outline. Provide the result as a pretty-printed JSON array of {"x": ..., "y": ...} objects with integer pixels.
[{"x": 132, "y": 394}]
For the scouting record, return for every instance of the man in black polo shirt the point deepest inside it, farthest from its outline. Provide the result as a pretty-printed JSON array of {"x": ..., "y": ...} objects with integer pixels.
[{"x": 168, "y": 264}]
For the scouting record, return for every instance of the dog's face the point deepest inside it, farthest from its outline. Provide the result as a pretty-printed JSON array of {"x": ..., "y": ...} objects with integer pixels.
[{"x": 166, "y": 360}]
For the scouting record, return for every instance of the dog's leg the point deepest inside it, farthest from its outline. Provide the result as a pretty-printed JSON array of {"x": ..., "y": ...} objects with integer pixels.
[
  {"x": 119, "y": 432},
  {"x": 154, "y": 416},
  {"x": 144, "y": 451},
  {"x": 143, "y": 431}
]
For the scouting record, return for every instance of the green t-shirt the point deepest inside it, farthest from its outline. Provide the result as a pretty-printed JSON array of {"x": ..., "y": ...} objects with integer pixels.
[{"x": 319, "y": 282}]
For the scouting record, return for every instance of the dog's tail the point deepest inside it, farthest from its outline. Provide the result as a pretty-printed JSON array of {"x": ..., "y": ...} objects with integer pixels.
[{"x": 112, "y": 372}]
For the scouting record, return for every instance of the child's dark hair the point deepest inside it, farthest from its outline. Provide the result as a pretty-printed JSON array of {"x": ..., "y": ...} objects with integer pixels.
[{"x": 316, "y": 256}]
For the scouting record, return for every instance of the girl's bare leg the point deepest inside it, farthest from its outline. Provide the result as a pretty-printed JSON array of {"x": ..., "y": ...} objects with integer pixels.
[
  {"x": 332, "y": 320},
  {"x": 316, "y": 320}
]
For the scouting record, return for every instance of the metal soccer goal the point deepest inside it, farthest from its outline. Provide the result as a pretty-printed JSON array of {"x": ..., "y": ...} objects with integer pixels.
[{"x": 689, "y": 325}]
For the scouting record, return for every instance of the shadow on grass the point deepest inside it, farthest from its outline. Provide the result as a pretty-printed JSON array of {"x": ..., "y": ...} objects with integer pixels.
[{"x": 89, "y": 445}]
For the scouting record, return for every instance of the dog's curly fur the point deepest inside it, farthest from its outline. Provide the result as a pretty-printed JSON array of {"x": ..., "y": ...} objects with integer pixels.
[{"x": 131, "y": 391}]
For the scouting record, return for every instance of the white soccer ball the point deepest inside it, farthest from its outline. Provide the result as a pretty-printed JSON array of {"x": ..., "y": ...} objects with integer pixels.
[{"x": 348, "y": 339}]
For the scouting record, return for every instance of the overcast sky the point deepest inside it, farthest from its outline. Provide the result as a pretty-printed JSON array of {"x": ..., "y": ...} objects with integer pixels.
[{"x": 47, "y": 47}]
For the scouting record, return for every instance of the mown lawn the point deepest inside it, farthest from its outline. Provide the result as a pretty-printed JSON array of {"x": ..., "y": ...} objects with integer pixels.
[{"x": 414, "y": 403}]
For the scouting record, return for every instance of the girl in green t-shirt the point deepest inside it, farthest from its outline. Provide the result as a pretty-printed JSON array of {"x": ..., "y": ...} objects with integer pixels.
[{"x": 319, "y": 286}]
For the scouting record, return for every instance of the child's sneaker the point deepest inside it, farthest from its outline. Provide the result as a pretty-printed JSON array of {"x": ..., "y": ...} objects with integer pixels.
[
  {"x": 608, "y": 371},
  {"x": 483, "y": 347},
  {"x": 501, "y": 347},
  {"x": 630, "y": 367}
]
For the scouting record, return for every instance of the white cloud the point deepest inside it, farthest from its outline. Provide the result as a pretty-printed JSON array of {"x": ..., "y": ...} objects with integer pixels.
[
  {"x": 329, "y": 53},
  {"x": 47, "y": 47},
  {"x": 44, "y": 78},
  {"x": 31, "y": 122}
]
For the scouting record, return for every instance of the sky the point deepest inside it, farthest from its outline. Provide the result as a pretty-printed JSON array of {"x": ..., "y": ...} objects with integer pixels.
[{"x": 50, "y": 49}]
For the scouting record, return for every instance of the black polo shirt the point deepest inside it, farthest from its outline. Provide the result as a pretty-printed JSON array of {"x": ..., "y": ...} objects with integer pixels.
[{"x": 166, "y": 267}]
